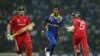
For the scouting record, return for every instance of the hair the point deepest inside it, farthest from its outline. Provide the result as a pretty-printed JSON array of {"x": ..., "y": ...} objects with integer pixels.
[{"x": 57, "y": 6}]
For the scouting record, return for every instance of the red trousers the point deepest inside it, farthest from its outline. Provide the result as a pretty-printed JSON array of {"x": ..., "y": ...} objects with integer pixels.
[
  {"x": 80, "y": 40},
  {"x": 26, "y": 41}
]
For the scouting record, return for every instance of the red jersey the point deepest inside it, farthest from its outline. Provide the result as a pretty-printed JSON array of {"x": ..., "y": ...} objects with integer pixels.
[
  {"x": 79, "y": 26},
  {"x": 18, "y": 22}
]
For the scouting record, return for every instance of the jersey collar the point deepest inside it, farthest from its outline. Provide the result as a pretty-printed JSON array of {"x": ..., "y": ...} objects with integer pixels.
[{"x": 54, "y": 16}]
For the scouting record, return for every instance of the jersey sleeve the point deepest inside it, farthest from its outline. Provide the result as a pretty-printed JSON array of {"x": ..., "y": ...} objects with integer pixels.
[{"x": 46, "y": 18}]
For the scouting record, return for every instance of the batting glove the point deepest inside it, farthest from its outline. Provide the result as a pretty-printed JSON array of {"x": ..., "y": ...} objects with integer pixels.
[
  {"x": 70, "y": 28},
  {"x": 30, "y": 28},
  {"x": 9, "y": 37}
]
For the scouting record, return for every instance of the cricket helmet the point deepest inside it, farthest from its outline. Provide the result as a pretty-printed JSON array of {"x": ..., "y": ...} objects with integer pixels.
[
  {"x": 76, "y": 13},
  {"x": 21, "y": 8}
]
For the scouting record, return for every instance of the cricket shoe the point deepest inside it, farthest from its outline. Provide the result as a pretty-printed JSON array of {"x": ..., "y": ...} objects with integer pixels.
[
  {"x": 19, "y": 55},
  {"x": 47, "y": 53},
  {"x": 78, "y": 54}
]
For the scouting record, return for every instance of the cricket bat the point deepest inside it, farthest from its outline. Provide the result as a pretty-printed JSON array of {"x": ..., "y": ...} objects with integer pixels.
[{"x": 23, "y": 29}]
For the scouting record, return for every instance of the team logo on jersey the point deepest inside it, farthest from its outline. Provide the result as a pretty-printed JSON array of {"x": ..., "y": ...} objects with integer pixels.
[
  {"x": 59, "y": 19},
  {"x": 18, "y": 20}
]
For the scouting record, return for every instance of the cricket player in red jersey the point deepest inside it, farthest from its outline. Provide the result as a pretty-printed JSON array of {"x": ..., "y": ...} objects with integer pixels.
[
  {"x": 16, "y": 23},
  {"x": 79, "y": 34}
]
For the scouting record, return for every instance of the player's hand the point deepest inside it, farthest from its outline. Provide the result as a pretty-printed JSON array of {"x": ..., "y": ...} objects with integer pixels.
[
  {"x": 9, "y": 37},
  {"x": 42, "y": 33},
  {"x": 67, "y": 28},
  {"x": 30, "y": 28}
]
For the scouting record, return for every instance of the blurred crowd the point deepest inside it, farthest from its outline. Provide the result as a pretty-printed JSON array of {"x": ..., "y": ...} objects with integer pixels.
[{"x": 38, "y": 9}]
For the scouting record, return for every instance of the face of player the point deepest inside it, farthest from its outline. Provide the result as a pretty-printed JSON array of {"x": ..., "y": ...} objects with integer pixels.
[
  {"x": 56, "y": 11},
  {"x": 21, "y": 13}
]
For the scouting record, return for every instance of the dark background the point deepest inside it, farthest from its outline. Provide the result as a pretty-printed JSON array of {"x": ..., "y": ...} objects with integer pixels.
[{"x": 38, "y": 9}]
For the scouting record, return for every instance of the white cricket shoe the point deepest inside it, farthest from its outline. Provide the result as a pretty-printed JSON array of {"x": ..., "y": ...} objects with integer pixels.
[
  {"x": 47, "y": 53},
  {"x": 19, "y": 55}
]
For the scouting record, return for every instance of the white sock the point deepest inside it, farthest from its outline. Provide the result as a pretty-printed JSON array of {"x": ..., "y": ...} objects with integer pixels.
[{"x": 19, "y": 54}]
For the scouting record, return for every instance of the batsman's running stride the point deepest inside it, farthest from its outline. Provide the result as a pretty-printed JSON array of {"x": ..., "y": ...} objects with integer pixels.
[{"x": 16, "y": 23}]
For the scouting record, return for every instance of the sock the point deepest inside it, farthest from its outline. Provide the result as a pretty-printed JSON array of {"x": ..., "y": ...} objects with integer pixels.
[{"x": 19, "y": 54}]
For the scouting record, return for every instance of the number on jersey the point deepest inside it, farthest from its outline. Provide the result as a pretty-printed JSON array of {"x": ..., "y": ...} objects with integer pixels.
[{"x": 82, "y": 25}]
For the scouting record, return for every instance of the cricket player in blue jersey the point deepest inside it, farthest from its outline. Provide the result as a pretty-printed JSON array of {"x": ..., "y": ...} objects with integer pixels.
[{"x": 53, "y": 24}]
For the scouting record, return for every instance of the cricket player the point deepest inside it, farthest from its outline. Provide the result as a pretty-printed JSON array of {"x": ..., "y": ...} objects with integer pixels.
[
  {"x": 79, "y": 34},
  {"x": 52, "y": 24},
  {"x": 16, "y": 23}
]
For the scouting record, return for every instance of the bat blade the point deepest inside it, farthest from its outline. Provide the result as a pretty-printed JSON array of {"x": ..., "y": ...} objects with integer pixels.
[{"x": 23, "y": 29}]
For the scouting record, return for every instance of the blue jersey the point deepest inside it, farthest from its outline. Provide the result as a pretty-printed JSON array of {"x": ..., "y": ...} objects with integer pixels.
[{"x": 54, "y": 23}]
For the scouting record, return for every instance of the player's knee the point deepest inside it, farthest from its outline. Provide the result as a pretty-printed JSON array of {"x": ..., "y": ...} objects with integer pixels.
[
  {"x": 29, "y": 46},
  {"x": 54, "y": 44}
]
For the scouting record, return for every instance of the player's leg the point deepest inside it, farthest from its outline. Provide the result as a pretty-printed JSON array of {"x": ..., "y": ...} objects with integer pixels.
[
  {"x": 28, "y": 45},
  {"x": 47, "y": 53},
  {"x": 77, "y": 49},
  {"x": 85, "y": 46},
  {"x": 76, "y": 45},
  {"x": 52, "y": 49},
  {"x": 52, "y": 41},
  {"x": 18, "y": 44}
]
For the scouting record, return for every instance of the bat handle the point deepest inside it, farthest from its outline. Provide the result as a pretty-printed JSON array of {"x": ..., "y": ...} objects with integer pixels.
[{"x": 14, "y": 34}]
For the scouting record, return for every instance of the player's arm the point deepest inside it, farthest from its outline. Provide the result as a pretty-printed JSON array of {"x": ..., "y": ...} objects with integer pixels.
[
  {"x": 8, "y": 28},
  {"x": 62, "y": 25},
  {"x": 72, "y": 27},
  {"x": 61, "y": 28},
  {"x": 44, "y": 25},
  {"x": 11, "y": 23},
  {"x": 9, "y": 36}
]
